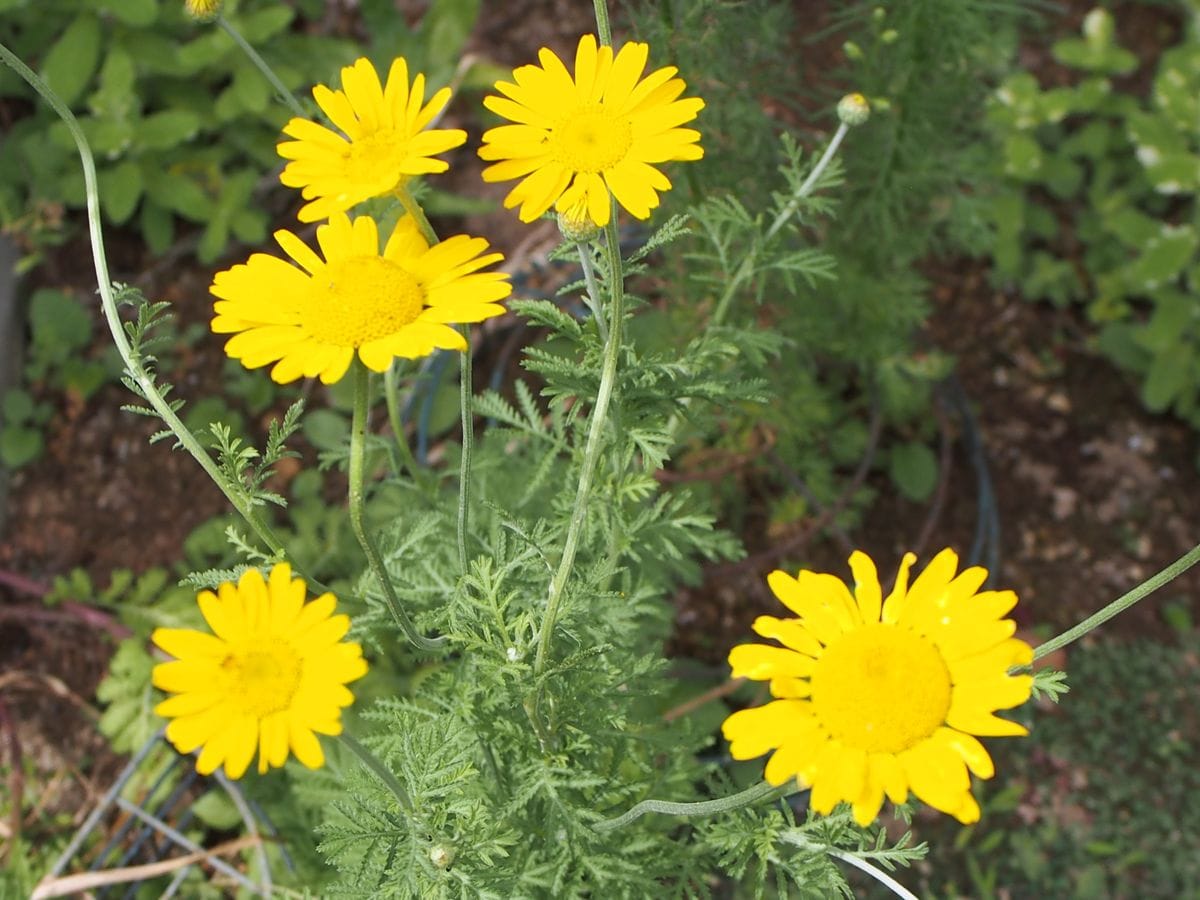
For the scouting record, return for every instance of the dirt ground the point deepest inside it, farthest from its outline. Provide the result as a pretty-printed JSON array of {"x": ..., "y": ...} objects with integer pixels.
[{"x": 1093, "y": 494}]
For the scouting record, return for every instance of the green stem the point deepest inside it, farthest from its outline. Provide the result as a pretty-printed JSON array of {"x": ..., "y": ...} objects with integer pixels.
[
  {"x": 748, "y": 797},
  {"x": 382, "y": 772},
  {"x": 133, "y": 366},
  {"x": 746, "y": 268},
  {"x": 468, "y": 440},
  {"x": 391, "y": 394},
  {"x": 358, "y": 440},
  {"x": 593, "y": 291},
  {"x": 1149, "y": 586},
  {"x": 591, "y": 452},
  {"x": 414, "y": 209},
  {"x": 603, "y": 28},
  {"x": 261, "y": 64}
]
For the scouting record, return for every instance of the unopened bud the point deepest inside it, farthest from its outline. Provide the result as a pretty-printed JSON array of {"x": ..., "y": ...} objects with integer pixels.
[
  {"x": 202, "y": 10},
  {"x": 441, "y": 856},
  {"x": 852, "y": 50},
  {"x": 889, "y": 36},
  {"x": 575, "y": 223},
  {"x": 853, "y": 109}
]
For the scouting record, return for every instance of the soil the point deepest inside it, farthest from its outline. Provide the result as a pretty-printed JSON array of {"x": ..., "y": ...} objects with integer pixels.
[{"x": 1093, "y": 494}]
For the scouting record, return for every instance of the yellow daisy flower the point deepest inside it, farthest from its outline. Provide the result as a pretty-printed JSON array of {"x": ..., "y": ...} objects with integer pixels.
[
  {"x": 273, "y": 672},
  {"x": 882, "y": 696},
  {"x": 576, "y": 138},
  {"x": 384, "y": 141},
  {"x": 202, "y": 9},
  {"x": 312, "y": 320}
]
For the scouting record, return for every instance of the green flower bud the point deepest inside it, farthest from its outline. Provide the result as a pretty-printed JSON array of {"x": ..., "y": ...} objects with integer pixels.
[
  {"x": 441, "y": 856},
  {"x": 853, "y": 109},
  {"x": 852, "y": 50}
]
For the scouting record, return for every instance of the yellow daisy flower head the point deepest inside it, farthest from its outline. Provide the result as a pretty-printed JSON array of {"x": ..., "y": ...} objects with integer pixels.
[
  {"x": 383, "y": 140},
  {"x": 311, "y": 318},
  {"x": 882, "y": 696},
  {"x": 576, "y": 138},
  {"x": 270, "y": 677}
]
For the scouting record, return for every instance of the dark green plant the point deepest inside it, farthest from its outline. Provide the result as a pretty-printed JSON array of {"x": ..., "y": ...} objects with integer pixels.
[
  {"x": 183, "y": 123},
  {"x": 1101, "y": 205}
]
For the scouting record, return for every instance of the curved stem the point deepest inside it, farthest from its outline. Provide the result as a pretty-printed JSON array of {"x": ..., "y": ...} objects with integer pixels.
[
  {"x": 746, "y": 269},
  {"x": 391, "y": 394},
  {"x": 261, "y": 64},
  {"x": 591, "y": 451},
  {"x": 1149, "y": 586},
  {"x": 748, "y": 797},
  {"x": 466, "y": 394},
  {"x": 358, "y": 440},
  {"x": 133, "y": 366},
  {"x": 382, "y": 772}
]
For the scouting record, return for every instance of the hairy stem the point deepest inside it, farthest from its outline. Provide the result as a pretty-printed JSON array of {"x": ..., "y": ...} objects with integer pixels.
[
  {"x": 466, "y": 395},
  {"x": 591, "y": 451},
  {"x": 358, "y": 440},
  {"x": 746, "y": 268},
  {"x": 748, "y": 797},
  {"x": 593, "y": 292},
  {"x": 133, "y": 366},
  {"x": 1149, "y": 586}
]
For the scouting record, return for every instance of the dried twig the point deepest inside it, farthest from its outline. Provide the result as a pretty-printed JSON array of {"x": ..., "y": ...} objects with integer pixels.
[{"x": 71, "y": 884}]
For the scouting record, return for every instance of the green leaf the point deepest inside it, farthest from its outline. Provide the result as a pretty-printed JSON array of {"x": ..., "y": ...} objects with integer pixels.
[
  {"x": 116, "y": 97},
  {"x": 162, "y": 130},
  {"x": 129, "y": 719},
  {"x": 447, "y": 26},
  {"x": 158, "y": 227},
  {"x": 19, "y": 444},
  {"x": 1169, "y": 375},
  {"x": 120, "y": 189},
  {"x": 70, "y": 63},
  {"x": 138, "y": 13},
  {"x": 178, "y": 193},
  {"x": 16, "y": 406},
  {"x": 216, "y": 810},
  {"x": 261, "y": 24},
  {"x": 1164, "y": 257},
  {"x": 326, "y": 429},
  {"x": 59, "y": 324},
  {"x": 1022, "y": 156},
  {"x": 914, "y": 470},
  {"x": 1097, "y": 51}
]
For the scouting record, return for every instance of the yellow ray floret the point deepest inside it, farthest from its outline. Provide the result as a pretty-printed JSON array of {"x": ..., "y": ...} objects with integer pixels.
[
  {"x": 270, "y": 677},
  {"x": 579, "y": 138},
  {"x": 882, "y": 696},
  {"x": 382, "y": 140},
  {"x": 311, "y": 318}
]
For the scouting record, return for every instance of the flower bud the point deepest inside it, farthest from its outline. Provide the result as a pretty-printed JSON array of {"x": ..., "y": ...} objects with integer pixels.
[
  {"x": 853, "y": 109},
  {"x": 202, "y": 10},
  {"x": 852, "y": 50},
  {"x": 575, "y": 223},
  {"x": 441, "y": 856}
]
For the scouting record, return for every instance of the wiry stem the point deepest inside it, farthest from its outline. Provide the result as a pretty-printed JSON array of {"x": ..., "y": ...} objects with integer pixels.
[
  {"x": 376, "y": 766},
  {"x": 468, "y": 442},
  {"x": 745, "y": 798},
  {"x": 133, "y": 366},
  {"x": 261, "y": 64},
  {"x": 591, "y": 451},
  {"x": 358, "y": 439}
]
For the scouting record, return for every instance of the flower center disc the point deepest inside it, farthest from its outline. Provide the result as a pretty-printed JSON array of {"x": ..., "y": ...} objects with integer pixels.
[
  {"x": 375, "y": 159},
  {"x": 355, "y": 301},
  {"x": 592, "y": 140},
  {"x": 262, "y": 680},
  {"x": 881, "y": 689}
]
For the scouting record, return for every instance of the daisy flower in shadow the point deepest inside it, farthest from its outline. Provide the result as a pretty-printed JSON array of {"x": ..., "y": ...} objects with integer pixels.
[
  {"x": 579, "y": 138},
  {"x": 383, "y": 141},
  {"x": 311, "y": 318},
  {"x": 883, "y": 696},
  {"x": 270, "y": 677}
]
